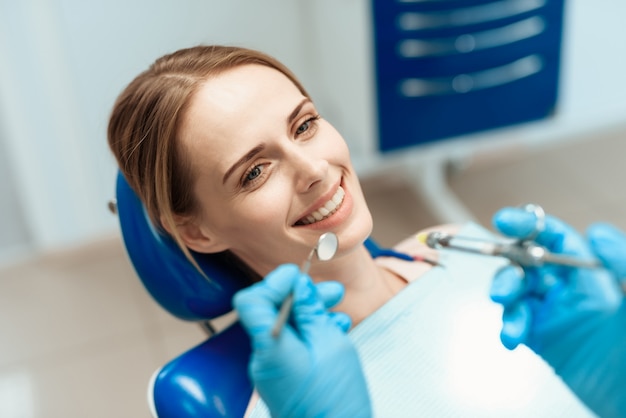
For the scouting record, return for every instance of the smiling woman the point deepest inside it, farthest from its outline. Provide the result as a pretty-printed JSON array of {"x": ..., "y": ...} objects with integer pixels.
[
  {"x": 229, "y": 155},
  {"x": 223, "y": 144},
  {"x": 265, "y": 160}
]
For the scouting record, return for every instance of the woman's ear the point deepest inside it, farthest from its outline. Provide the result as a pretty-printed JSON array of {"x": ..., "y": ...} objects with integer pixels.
[{"x": 196, "y": 237}]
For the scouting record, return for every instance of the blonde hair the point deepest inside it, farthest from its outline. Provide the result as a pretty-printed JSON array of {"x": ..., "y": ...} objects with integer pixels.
[{"x": 145, "y": 123}]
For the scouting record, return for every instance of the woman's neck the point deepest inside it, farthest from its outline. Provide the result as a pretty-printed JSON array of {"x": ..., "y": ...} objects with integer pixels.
[{"x": 367, "y": 285}]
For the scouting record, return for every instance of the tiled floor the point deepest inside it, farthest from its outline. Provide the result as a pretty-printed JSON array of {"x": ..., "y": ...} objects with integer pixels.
[{"x": 80, "y": 337}]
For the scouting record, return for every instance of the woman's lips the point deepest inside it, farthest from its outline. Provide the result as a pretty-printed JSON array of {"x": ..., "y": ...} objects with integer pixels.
[
  {"x": 326, "y": 210},
  {"x": 341, "y": 214}
]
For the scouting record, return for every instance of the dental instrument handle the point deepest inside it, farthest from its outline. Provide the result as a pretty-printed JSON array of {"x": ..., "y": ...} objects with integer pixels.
[
  {"x": 285, "y": 308},
  {"x": 528, "y": 254},
  {"x": 283, "y": 315},
  {"x": 565, "y": 260},
  {"x": 525, "y": 253}
]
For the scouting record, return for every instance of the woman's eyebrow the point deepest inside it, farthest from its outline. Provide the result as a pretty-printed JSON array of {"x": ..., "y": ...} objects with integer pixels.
[
  {"x": 249, "y": 155},
  {"x": 254, "y": 151},
  {"x": 297, "y": 109}
]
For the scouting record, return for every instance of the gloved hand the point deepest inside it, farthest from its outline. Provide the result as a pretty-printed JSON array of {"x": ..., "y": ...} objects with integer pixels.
[
  {"x": 574, "y": 318},
  {"x": 609, "y": 245},
  {"x": 311, "y": 369}
]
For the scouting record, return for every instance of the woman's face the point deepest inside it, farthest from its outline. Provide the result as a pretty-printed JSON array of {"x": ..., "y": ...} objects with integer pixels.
[{"x": 271, "y": 175}]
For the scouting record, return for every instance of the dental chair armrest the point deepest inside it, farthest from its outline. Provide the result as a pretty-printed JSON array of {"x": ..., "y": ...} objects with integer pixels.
[{"x": 209, "y": 380}]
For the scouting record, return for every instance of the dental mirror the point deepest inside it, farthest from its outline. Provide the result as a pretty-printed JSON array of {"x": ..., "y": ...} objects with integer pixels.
[
  {"x": 325, "y": 250},
  {"x": 327, "y": 246}
]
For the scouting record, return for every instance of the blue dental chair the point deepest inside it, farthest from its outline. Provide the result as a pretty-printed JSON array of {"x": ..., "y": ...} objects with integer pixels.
[{"x": 211, "y": 379}]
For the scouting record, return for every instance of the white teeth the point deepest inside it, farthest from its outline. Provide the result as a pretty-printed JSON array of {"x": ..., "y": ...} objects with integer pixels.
[{"x": 325, "y": 211}]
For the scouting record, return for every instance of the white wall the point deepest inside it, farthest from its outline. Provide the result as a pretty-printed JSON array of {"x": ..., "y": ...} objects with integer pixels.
[
  {"x": 15, "y": 236},
  {"x": 64, "y": 61},
  {"x": 594, "y": 64}
]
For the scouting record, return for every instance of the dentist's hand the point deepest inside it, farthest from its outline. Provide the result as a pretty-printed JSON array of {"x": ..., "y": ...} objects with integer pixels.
[
  {"x": 609, "y": 245},
  {"x": 574, "y": 318},
  {"x": 311, "y": 369}
]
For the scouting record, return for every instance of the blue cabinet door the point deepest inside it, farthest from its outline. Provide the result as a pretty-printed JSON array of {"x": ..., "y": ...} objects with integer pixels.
[{"x": 447, "y": 68}]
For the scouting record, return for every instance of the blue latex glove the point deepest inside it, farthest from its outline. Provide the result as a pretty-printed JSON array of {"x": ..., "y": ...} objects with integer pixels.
[
  {"x": 312, "y": 369},
  {"x": 574, "y": 318},
  {"x": 609, "y": 245}
]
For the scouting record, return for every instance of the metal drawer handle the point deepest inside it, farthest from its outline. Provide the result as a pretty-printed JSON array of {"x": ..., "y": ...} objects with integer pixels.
[
  {"x": 411, "y": 21},
  {"x": 527, "y": 28},
  {"x": 463, "y": 83}
]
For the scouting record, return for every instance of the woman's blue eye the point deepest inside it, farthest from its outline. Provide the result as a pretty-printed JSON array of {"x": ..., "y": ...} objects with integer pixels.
[
  {"x": 254, "y": 173},
  {"x": 303, "y": 128},
  {"x": 306, "y": 125},
  {"x": 255, "y": 176}
]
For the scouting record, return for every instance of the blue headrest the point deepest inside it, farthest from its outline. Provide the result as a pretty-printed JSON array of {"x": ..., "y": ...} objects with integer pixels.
[{"x": 165, "y": 271}]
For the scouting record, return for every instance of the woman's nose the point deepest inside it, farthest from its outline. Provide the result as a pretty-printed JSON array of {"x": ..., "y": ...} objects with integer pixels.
[{"x": 309, "y": 170}]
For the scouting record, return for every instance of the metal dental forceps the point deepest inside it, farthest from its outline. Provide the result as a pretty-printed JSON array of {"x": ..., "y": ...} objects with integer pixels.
[{"x": 524, "y": 252}]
